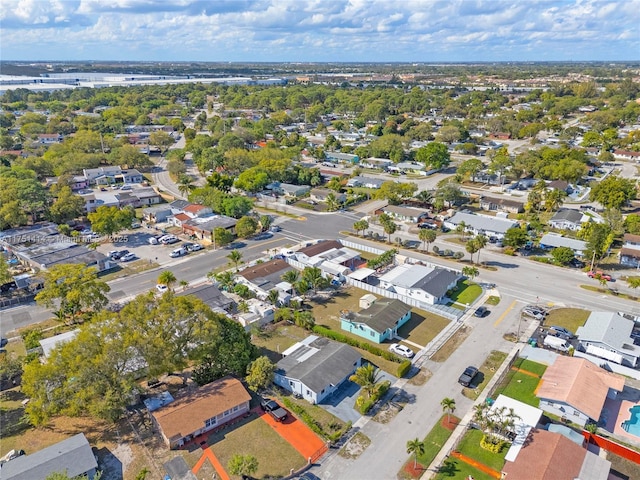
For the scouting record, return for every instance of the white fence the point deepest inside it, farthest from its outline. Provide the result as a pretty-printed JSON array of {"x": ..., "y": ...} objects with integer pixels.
[{"x": 362, "y": 248}]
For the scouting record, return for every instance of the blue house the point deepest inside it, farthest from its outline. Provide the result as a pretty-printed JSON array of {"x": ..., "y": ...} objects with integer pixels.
[{"x": 378, "y": 322}]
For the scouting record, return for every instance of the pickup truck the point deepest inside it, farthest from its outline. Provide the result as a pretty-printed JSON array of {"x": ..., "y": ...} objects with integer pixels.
[
  {"x": 276, "y": 411},
  {"x": 599, "y": 274},
  {"x": 468, "y": 376}
]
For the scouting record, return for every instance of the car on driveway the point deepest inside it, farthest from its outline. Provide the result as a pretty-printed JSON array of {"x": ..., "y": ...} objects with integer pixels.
[
  {"x": 193, "y": 247},
  {"x": 128, "y": 257},
  {"x": 275, "y": 410},
  {"x": 534, "y": 311},
  {"x": 575, "y": 263},
  {"x": 169, "y": 239},
  {"x": 117, "y": 254},
  {"x": 561, "y": 332},
  {"x": 401, "y": 350},
  {"x": 481, "y": 312},
  {"x": 467, "y": 377}
]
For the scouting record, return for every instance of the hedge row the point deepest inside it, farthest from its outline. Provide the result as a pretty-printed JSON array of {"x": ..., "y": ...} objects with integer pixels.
[
  {"x": 365, "y": 404},
  {"x": 339, "y": 337},
  {"x": 312, "y": 423},
  {"x": 404, "y": 368}
]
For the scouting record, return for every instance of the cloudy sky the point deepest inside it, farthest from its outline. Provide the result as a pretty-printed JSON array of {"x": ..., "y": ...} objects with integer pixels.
[{"x": 320, "y": 30}]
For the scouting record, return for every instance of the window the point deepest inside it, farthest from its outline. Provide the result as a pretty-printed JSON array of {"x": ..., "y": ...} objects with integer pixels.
[
  {"x": 210, "y": 422},
  {"x": 371, "y": 334},
  {"x": 227, "y": 413},
  {"x": 236, "y": 408}
]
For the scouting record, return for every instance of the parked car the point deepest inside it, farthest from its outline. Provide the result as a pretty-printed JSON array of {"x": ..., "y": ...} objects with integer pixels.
[
  {"x": 534, "y": 311},
  {"x": 272, "y": 407},
  {"x": 575, "y": 263},
  {"x": 401, "y": 350},
  {"x": 178, "y": 252},
  {"x": 431, "y": 226},
  {"x": 275, "y": 228},
  {"x": 467, "y": 377},
  {"x": 117, "y": 254},
  {"x": 128, "y": 257},
  {"x": 592, "y": 274},
  {"x": 11, "y": 454},
  {"x": 169, "y": 239},
  {"x": 561, "y": 332},
  {"x": 136, "y": 225},
  {"x": 480, "y": 312},
  {"x": 194, "y": 247},
  {"x": 161, "y": 288}
]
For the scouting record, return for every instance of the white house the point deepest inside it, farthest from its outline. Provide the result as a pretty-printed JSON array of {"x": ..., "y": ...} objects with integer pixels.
[
  {"x": 608, "y": 335},
  {"x": 426, "y": 284},
  {"x": 553, "y": 240},
  {"x": 476, "y": 224}
]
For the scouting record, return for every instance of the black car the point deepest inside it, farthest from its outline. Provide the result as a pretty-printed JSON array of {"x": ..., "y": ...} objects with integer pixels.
[
  {"x": 467, "y": 377},
  {"x": 119, "y": 254},
  {"x": 480, "y": 312},
  {"x": 276, "y": 411},
  {"x": 575, "y": 263}
]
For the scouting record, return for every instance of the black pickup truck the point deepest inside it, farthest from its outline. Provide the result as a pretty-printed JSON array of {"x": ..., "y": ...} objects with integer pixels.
[
  {"x": 276, "y": 411},
  {"x": 467, "y": 377}
]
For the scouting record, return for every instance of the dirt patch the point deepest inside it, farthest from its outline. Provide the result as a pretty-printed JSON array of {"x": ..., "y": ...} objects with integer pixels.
[
  {"x": 451, "y": 345},
  {"x": 386, "y": 413},
  {"x": 413, "y": 469},
  {"x": 450, "y": 422},
  {"x": 421, "y": 377},
  {"x": 355, "y": 446}
]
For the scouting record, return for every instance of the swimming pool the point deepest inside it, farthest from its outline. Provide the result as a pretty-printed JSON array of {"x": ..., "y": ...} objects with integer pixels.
[{"x": 632, "y": 425}]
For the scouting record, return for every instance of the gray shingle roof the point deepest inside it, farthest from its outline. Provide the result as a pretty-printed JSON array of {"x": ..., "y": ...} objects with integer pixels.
[
  {"x": 329, "y": 365},
  {"x": 72, "y": 455},
  {"x": 610, "y": 329},
  {"x": 568, "y": 215},
  {"x": 383, "y": 314},
  {"x": 483, "y": 222}
]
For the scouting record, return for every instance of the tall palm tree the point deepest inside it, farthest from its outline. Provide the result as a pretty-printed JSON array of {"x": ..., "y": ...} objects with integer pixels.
[
  {"x": 553, "y": 199},
  {"x": 291, "y": 277},
  {"x": 389, "y": 228},
  {"x": 471, "y": 247},
  {"x": 332, "y": 202},
  {"x": 461, "y": 229},
  {"x": 481, "y": 242},
  {"x": 314, "y": 278},
  {"x": 235, "y": 257},
  {"x": 274, "y": 297},
  {"x": 448, "y": 406},
  {"x": 366, "y": 376},
  {"x": 360, "y": 226},
  {"x": 185, "y": 185},
  {"x": 424, "y": 196},
  {"x": 225, "y": 279},
  {"x": 427, "y": 237},
  {"x": 471, "y": 272},
  {"x": 167, "y": 278},
  {"x": 415, "y": 448}
]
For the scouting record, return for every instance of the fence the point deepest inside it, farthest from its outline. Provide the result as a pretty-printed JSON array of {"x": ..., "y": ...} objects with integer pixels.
[
  {"x": 362, "y": 248},
  {"x": 503, "y": 374},
  {"x": 4, "y": 303},
  {"x": 612, "y": 447}
]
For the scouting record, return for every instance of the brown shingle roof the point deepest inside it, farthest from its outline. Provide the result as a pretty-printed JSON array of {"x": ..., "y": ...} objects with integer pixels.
[
  {"x": 546, "y": 456},
  {"x": 264, "y": 269},
  {"x": 579, "y": 383},
  {"x": 628, "y": 237},
  {"x": 320, "y": 247},
  {"x": 188, "y": 414}
]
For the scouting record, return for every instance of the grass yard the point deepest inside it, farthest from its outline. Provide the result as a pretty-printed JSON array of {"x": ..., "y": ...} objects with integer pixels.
[
  {"x": 454, "y": 468},
  {"x": 569, "y": 318},
  {"x": 327, "y": 421},
  {"x": 520, "y": 386},
  {"x": 530, "y": 366},
  {"x": 488, "y": 370},
  {"x": 129, "y": 268},
  {"x": 422, "y": 327},
  {"x": 276, "y": 457},
  {"x": 466, "y": 292},
  {"x": 470, "y": 446},
  {"x": 493, "y": 300},
  {"x": 272, "y": 340}
]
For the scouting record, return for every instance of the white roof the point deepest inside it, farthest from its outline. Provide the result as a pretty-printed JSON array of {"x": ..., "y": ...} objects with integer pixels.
[
  {"x": 50, "y": 343},
  {"x": 529, "y": 418},
  {"x": 604, "y": 353},
  {"x": 553, "y": 240},
  {"x": 483, "y": 222},
  {"x": 361, "y": 273}
]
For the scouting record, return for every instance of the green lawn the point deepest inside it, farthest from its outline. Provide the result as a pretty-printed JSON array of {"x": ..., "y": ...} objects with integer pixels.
[
  {"x": 470, "y": 446},
  {"x": 433, "y": 442},
  {"x": 272, "y": 340},
  {"x": 521, "y": 387},
  {"x": 454, "y": 468},
  {"x": 466, "y": 292},
  {"x": 569, "y": 318},
  {"x": 530, "y": 366},
  {"x": 422, "y": 327}
]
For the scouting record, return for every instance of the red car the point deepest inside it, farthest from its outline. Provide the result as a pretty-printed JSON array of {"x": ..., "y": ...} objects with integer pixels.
[{"x": 599, "y": 274}]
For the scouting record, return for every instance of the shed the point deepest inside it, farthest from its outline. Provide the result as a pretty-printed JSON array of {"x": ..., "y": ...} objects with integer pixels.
[{"x": 367, "y": 300}]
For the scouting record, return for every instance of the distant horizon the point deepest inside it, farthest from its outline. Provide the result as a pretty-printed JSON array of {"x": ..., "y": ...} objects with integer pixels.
[
  {"x": 343, "y": 31},
  {"x": 310, "y": 62}
]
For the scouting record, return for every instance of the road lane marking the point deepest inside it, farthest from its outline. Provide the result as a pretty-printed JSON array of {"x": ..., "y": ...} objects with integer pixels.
[{"x": 504, "y": 314}]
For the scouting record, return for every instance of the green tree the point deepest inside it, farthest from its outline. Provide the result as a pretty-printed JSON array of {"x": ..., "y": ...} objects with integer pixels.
[
  {"x": 176, "y": 167},
  {"x": 481, "y": 242},
  {"x": 434, "y": 155},
  {"x": 470, "y": 168},
  {"x": 314, "y": 278},
  {"x": 515, "y": 237},
  {"x": 185, "y": 184},
  {"x": 162, "y": 140},
  {"x": 273, "y": 297},
  {"x": 221, "y": 237},
  {"x": 66, "y": 207},
  {"x": 599, "y": 240},
  {"x": 500, "y": 163},
  {"x": 167, "y": 278},
  {"x": 472, "y": 247},
  {"x": 304, "y": 319},
  {"x": 448, "y": 406},
  {"x": 389, "y": 227},
  {"x": 260, "y": 373},
  {"x": 416, "y": 448},
  {"x": 553, "y": 199},
  {"x": 265, "y": 222},
  {"x": 471, "y": 272},
  {"x": 360, "y": 226},
  {"x": 246, "y": 227},
  {"x": 73, "y": 289},
  {"x": 366, "y": 376},
  {"x": 243, "y": 465},
  {"x": 235, "y": 258},
  {"x": 110, "y": 220},
  {"x": 5, "y": 273},
  {"x": 633, "y": 282},
  {"x": 613, "y": 192},
  {"x": 562, "y": 255},
  {"x": 427, "y": 237},
  {"x": 225, "y": 279}
]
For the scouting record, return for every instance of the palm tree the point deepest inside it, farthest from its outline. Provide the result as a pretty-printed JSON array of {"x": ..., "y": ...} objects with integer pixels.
[
  {"x": 553, "y": 199},
  {"x": 291, "y": 277},
  {"x": 225, "y": 279},
  {"x": 427, "y": 237},
  {"x": 461, "y": 229},
  {"x": 185, "y": 185},
  {"x": 274, "y": 297},
  {"x": 332, "y": 202},
  {"x": 449, "y": 406},
  {"x": 471, "y": 272},
  {"x": 389, "y": 228},
  {"x": 360, "y": 226},
  {"x": 167, "y": 278},
  {"x": 235, "y": 257},
  {"x": 424, "y": 196},
  {"x": 265, "y": 222},
  {"x": 366, "y": 376},
  {"x": 471, "y": 247},
  {"x": 314, "y": 278},
  {"x": 415, "y": 448},
  {"x": 481, "y": 241}
]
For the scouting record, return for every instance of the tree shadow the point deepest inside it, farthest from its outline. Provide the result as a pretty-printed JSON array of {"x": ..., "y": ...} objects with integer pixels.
[{"x": 449, "y": 468}]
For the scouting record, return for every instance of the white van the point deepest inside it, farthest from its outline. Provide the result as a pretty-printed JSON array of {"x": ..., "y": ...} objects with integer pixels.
[
  {"x": 557, "y": 343},
  {"x": 178, "y": 252}
]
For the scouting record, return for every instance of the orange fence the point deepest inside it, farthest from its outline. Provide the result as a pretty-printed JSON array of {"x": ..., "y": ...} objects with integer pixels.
[{"x": 612, "y": 447}]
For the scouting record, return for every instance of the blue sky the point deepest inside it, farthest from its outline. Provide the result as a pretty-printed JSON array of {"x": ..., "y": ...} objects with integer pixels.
[{"x": 320, "y": 30}]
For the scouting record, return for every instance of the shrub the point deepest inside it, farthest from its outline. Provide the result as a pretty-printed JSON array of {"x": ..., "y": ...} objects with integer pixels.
[
  {"x": 313, "y": 424},
  {"x": 32, "y": 338},
  {"x": 458, "y": 255},
  {"x": 492, "y": 444},
  {"x": 436, "y": 249},
  {"x": 509, "y": 251},
  {"x": 404, "y": 368},
  {"x": 364, "y": 404}
]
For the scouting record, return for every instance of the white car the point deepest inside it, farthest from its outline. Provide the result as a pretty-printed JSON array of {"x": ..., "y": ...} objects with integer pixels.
[
  {"x": 128, "y": 257},
  {"x": 161, "y": 288},
  {"x": 401, "y": 350}
]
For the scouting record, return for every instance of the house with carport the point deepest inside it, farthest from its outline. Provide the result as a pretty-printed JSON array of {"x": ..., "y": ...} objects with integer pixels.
[
  {"x": 568, "y": 219},
  {"x": 608, "y": 335},
  {"x": 576, "y": 389},
  {"x": 261, "y": 278},
  {"x": 405, "y": 214},
  {"x": 316, "y": 367},
  {"x": 201, "y": 410},
  {"x": 481, "y": 224},
  {"x": 630, "y": 251},
  {"x": 549, "y": 241},
  {"x": 379, "y": 321},
  {"x": 422, "y": 283}
]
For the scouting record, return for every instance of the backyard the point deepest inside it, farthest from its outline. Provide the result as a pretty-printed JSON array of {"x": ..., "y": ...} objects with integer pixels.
[{"x": 522, "y": 381}]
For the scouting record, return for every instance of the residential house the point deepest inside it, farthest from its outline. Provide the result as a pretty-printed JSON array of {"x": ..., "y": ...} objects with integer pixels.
[
  {"x": 367, "y": 182},
  {"x": 405, "y": 214},
  {"x": 197, "y": 211},
  {"x": 379, "y": 322},
  {"x": 147, "y": 196},
  {"x": 263, "y": 277},
  {"x": 410, "y": 167},
  {"x": 321, "y": 194},
  {"x": 331, "y": 257},
  {"x": 50, "y": 343},
  {"x": 341, "y": 157},
  {"x": 79, "y": 182},
  {"x": 179, "y": 219},
  {"x": 131, "y": 176},
  {"x": 626, "y": 155},
  {"x": 102, "y": 175},
  {"x": 630, "y": 252},
  {"x": 204, "y": 228},
  {"x": 210, "y": 296},
  {"x": 568, "y": 219},
  {"x": 608, "y": 335},
  {"x": 316, "y": 367},
  {"x": 50, "y": 138},
  {"x": 258, "y": 313},
  {"x": 72, "y": 456},
  {"x": 201, "y": 410},
  {"x": 553, "y": 240},
  {"x": 552, "y": 456},
  {"x": 560, "y": 185},
  {"x": 179, "y": 205},
  {"x": 294, "y": 191},
  {"x": 426, "y": 284},
  {"x": 376, "y": 163},
  {"x": 492, "y": 204},
  {"x": 476, "y": 224},
  {"x": 576, "y": 389},
  {"x": 158, "y": 214}
]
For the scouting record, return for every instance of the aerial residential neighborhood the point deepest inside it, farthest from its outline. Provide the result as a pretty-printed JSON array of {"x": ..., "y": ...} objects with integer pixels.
[{"x": 359, "y": 266}]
